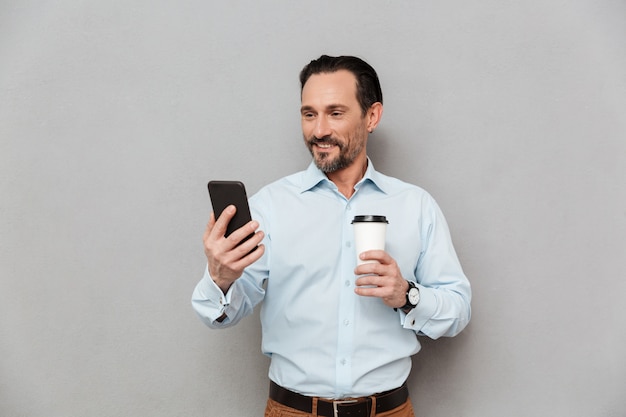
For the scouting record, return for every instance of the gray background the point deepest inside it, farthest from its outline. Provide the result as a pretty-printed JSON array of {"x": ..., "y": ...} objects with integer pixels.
[{"x": 115, "y": 114}]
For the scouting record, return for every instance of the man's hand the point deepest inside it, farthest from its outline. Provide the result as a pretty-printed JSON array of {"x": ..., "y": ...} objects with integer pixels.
[
  {"x": 383, "y": 279},
  {"x": 226, "y": 260}
]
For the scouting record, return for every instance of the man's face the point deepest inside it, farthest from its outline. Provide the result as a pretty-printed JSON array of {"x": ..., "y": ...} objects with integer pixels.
[{"x": 334, "y": 128}]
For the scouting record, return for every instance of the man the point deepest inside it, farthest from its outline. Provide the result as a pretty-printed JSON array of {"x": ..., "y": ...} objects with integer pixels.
[{"x": 340, "y": 336}]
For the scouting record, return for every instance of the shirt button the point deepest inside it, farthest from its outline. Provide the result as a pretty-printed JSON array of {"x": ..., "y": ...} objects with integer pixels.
[
  {"x": 348, "y": 244},
  {"x": 346, "y": 322},
  {"x": 347, "y": 283},
  {"x": 348, "y": 207},
  {"x": 343, "y": 361}
]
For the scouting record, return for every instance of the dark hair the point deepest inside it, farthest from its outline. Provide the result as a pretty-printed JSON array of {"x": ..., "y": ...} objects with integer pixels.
[{"x": 368, "y": 89}]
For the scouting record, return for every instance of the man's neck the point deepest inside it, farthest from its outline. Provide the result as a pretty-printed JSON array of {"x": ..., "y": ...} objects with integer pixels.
[{"x": 346, "y": 178}]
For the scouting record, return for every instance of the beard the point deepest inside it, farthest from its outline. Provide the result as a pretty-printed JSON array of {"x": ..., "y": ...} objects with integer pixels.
[{"x": 328, "y": 163}]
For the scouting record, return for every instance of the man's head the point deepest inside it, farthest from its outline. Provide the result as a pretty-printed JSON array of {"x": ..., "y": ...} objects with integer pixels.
[
  {"x": 341, "y": 105},
  {"x": 368, "y": 89}
]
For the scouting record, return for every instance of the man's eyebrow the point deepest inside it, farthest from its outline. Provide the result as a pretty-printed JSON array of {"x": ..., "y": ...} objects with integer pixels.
[
  {"x": 336, "y": 107},
  {"x": 330, "y": 107}
]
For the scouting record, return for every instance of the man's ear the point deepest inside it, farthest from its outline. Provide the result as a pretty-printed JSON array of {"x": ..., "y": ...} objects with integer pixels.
[{"x": 374, "y": 114}]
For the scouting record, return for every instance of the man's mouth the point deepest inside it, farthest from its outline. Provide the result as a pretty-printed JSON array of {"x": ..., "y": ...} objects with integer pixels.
[{"x": 324, "y": 145}]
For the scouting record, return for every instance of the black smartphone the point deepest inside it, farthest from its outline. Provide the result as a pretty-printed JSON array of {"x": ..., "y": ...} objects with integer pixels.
[{"x": 225, "y": 193}]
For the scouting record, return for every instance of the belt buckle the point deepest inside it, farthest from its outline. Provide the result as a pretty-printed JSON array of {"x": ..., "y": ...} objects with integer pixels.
[{"x": 341, "y": 402}]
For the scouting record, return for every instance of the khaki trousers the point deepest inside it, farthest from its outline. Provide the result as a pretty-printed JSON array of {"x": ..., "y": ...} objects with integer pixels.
[{"x": 275, "y": 409}]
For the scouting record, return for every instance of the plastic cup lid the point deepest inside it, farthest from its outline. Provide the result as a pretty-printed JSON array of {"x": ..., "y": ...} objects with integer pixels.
[{"x": 370, "y": 218}]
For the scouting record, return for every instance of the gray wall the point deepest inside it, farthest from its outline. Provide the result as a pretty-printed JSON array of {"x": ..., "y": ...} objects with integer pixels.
[{"x": 115, "y": 114}]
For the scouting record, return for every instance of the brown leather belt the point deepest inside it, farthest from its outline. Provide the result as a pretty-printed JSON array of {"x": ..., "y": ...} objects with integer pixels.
[{"x": 353, "y": 407}]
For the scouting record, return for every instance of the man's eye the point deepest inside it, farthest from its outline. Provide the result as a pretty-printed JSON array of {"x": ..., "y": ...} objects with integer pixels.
[{"x": 308, "y": 115}]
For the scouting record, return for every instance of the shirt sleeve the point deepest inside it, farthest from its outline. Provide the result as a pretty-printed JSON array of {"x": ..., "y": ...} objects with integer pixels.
[
  {"x": 445, "y": 294},
  {"x": 210, "y": 303}
]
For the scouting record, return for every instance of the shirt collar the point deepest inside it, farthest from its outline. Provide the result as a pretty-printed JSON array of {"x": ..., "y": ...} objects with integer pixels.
[{"x": 314, "y": 177}]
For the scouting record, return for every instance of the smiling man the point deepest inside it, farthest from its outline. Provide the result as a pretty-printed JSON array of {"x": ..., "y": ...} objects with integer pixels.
[
  {"x": 340, "y": 336},
  {"x": 334, "y": 124}
]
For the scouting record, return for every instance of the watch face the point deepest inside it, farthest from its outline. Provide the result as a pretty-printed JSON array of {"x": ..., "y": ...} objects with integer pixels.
[{"x": 414, "y": 296}]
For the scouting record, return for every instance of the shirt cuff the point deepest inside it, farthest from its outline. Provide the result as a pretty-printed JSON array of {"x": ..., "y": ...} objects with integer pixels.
[
  {"x": 210, "y": 302},
  {"x": 417, "y": 318}
]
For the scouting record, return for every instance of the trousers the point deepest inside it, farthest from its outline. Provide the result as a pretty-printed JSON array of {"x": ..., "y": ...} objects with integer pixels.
[{"x": 275, "y": 409}]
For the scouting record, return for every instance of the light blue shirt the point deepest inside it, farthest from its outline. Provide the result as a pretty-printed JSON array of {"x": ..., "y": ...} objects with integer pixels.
[{"x": 322, "y": 338}]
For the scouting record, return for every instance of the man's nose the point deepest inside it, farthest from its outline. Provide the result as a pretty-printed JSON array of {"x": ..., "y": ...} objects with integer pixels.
[{"x": 322, "y": 129}]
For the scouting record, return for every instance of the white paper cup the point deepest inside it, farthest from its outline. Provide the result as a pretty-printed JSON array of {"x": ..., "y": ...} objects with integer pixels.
[{"x": 369, "y": 234}]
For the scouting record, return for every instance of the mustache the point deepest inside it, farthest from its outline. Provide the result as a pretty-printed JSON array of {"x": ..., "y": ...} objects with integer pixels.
[{"x": 328, "y": 140}]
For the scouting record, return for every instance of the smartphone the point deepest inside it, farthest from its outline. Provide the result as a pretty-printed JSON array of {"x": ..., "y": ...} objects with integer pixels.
[{"x": 225, "y": 193}]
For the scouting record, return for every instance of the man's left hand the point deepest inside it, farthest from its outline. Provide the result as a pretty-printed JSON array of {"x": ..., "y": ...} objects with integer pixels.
[{"x": 381, "y": 279}]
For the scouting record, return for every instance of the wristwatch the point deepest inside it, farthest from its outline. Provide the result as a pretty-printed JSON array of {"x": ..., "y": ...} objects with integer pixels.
[{"x": 412, "y": 297}]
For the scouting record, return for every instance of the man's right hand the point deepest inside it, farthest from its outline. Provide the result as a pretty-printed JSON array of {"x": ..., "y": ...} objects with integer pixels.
[{"x": 226, "y": 260}]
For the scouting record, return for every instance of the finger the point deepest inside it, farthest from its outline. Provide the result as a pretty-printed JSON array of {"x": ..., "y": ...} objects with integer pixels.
[
  {"x": 209, "y": 227},
  {"x": 237, "y": 265},
  {"x": 371, "y": 291},
  {"x": 368, "y": 280},
  {"x": 247, "y": 245},
  {"x": 250, "y": 257},
  {"x": 370, "y": 268},
  {"x": 375, "y": 280},
  {"x": 382, "y": 291},
  {"x": 375, "y": 255},
  {"x": 236, "y": 237},
  {"x": 219, "y": 229}
]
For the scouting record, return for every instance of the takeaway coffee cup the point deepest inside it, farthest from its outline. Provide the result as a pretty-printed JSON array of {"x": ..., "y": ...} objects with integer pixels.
[{"x": 369, "y": 234}]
